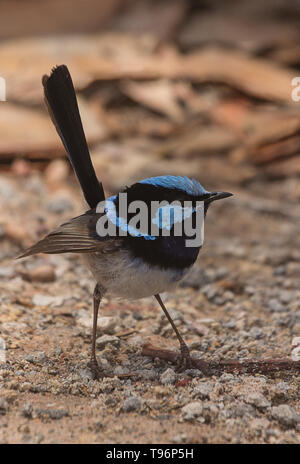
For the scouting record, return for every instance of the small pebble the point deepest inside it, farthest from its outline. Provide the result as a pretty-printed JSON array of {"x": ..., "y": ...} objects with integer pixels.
[
  {"x": 47, "y": 300},
  {"x": 27, "y": 410},
  {"x": 133, "y": 403},
  {"x": 168, "y": 377},
  {"x": 179, "y": 438},
  {"x": 202, "y": 391},
  {"x": 37, "y": 357},
  {"x": 285, "y": 415},
  {"x": 106, "y": 339},
  {"x": 107, "y": 324},
  {"x": 258, "y": 400},
  {"x": 192, "y": 410},
  {"x": 275, "y": 306}
]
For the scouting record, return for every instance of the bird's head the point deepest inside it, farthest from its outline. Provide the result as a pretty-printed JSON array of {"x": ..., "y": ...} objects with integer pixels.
[
  {"x": 173, "y": 188},
  {"x": 167, "y": 198},
  {"x": 160, "y": 206}
]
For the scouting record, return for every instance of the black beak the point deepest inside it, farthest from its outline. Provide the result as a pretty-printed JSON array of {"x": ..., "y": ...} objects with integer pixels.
[{"x": 218, "y": 196}]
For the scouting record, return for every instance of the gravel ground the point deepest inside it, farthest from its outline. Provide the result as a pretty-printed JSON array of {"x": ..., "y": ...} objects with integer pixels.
[{"x": 241, "y": 300}]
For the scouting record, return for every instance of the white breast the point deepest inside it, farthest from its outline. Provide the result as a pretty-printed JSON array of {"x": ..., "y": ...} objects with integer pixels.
[{"x": 133, "y": 279}]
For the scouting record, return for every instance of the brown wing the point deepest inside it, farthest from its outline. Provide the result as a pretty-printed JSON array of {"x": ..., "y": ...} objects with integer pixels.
[{"x": 76, "y": 236}]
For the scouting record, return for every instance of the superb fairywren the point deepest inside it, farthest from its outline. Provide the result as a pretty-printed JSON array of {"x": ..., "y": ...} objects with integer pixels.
[{"x": 126, "y": 260}]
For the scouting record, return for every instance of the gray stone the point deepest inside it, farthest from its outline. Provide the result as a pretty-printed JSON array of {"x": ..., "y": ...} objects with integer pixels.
[
  {"x": 250, "y": 290},
  {"x": 226, "y": 378},
  {"x": 202, "y": 391},
  {"x": 119, "y": 370},
  {"x": 256, "y": 332},
  {"x": 258, "y": 400},
  {"x": 133, "y": 403},
  {"x": 85, "y": 374},
  {"x": 230, "y": 324},
  {"x": 192, "y": 410},
  {"x": 107, "y": 324},
  {"x": 136, "y": 340},
  {"x": 37, "y": 357},
  {"x": 47, "y": 300},
  {"x": 168, "y": 377},
  {"x": 286, "y": 296},
  {"x": 285, "y": 415},
  {"x": 106, "y": 339},
  {"x": 275, "y": 306},
  {"x": 241, "y": 410},
  {"x": 211, "y": 291},
  {"x": 179, "y": 438},
  {"x": 27, "y": 410},
  {"x": 148, "y": 374}
]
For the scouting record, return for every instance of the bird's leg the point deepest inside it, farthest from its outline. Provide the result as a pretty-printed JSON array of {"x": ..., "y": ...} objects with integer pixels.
[
  {"x": 185, "y": 361},
  {"x": 96, "y": 372}
]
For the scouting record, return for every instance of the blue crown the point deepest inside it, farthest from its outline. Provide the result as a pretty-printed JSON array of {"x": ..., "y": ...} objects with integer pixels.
[{"x": 189, "y": 186}]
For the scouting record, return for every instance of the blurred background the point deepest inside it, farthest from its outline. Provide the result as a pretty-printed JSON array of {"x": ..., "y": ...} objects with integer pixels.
[
  {"x": 182, "y": 87},
  {"x": 200, "y": 88}
]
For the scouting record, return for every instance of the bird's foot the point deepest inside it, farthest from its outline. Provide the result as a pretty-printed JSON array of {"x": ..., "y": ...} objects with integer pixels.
[
  {"x": 184, "y": 360},
  {"x": 97, "y": 373}
]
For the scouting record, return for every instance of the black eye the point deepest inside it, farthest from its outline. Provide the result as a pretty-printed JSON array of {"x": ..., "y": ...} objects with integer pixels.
[{"x": 204, "y": 197}]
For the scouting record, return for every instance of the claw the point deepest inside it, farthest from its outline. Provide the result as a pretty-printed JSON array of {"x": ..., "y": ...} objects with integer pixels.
[
  {"x": 184, "y": 360},
  {"x": 97, "y": 373}
]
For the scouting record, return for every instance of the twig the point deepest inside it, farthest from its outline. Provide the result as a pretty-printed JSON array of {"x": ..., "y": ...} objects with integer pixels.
[{"x": 248, "y": 366}]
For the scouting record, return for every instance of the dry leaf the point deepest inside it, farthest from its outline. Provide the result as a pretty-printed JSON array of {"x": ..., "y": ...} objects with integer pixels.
[
  {"x": 31, "y": 132},
  {"x": 106, "y": 57},
  {"x": 159, "y": 95}
]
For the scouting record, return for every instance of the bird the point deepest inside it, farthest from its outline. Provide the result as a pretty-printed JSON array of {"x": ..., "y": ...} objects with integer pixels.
[{"x": 132, "y": 262}]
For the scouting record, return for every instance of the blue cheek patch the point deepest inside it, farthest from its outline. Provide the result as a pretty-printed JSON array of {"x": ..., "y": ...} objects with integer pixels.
[{"x": 169, "y": 215}]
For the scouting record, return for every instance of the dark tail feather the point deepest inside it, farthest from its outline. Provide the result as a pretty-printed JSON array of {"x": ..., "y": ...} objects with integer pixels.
[{"x": 62, "y": 105}]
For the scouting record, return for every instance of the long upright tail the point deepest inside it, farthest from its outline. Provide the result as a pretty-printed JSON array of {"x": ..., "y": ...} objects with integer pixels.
[{"x": 62, "y": 105}]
